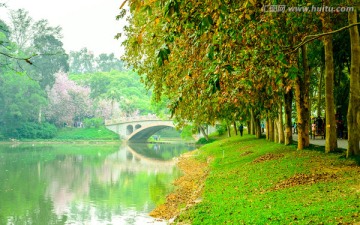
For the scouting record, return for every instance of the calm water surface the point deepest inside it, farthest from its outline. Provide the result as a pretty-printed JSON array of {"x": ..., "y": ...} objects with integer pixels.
[{"x": 85, "y": 184}]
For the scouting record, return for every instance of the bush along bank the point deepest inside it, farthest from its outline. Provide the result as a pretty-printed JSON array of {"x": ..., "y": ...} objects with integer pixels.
[
  {"x": 253, "y": 181},
  {"x": 100, "y": 133},
  {"x": 72, "y": 134}
]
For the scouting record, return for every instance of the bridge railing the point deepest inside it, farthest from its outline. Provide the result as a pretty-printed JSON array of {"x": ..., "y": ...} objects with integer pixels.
[{"x": 131, "y": 119}]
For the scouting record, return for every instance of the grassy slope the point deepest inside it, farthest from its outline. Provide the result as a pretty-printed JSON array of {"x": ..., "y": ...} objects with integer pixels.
[{"x": 318, "y": 188}]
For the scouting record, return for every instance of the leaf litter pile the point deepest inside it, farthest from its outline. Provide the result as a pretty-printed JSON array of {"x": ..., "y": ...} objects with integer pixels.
[
  {"x": 305, "y": 179},
  {"x": 268, "y": 157},
  {"x": 188, "y": 188}
]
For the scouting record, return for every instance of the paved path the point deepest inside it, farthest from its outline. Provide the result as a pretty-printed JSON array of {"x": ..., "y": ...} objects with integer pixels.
[{"x": 342, "y": 143}]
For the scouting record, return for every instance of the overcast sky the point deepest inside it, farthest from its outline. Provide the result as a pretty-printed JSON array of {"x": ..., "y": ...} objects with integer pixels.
[{"x": 85, "y": 23}]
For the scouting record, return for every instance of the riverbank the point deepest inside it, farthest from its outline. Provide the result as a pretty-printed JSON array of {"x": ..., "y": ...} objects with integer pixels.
[
  {"x": 75, "y": 135},
  {"x": 252, "y": 181},
  {"x": 189, "y": 187}
]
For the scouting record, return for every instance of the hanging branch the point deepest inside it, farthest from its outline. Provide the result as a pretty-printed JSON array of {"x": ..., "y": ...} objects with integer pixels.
[
  {"x": 27, "y": 59},
  {"x": 310, "y": 38},
  {"x": 122, "y": 5}
]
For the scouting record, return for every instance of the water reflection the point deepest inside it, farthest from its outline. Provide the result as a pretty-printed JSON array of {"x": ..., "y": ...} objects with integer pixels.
[{"x": 78, "y": 184}]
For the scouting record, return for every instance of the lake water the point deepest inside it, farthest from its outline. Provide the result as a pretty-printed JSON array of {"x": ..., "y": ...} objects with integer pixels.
[{"x": 85, "y": 184}]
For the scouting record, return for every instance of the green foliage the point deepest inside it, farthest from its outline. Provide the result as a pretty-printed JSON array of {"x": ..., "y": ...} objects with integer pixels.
[
  {"x": 241, "y": 188},
  {"x": 21, "y": 99},
  {"x": 32, "y": 130},
  {"x": 187, "y": 132},
  {"x": 122, "y": 87},
  {"x": 168, "y": 132},
  {"x": 52, "y": 59},
  {"x": 100, "y": 133},
  {"x": 93, "y": 122},
  {"x": 84, "y": 62},
  {"x": 203, "y": 141},
  {"x": 221, "y": 128}
]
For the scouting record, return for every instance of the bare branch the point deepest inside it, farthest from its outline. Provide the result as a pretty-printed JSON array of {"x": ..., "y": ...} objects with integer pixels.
[
  {"x": 122, "y": 5},
  {"x": 310, "y": 38}
]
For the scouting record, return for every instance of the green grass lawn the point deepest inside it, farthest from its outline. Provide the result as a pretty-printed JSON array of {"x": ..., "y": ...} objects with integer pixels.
[{"x": 254, "y": 181}]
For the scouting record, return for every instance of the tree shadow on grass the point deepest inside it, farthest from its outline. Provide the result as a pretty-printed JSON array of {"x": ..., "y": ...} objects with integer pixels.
[
  {"x": 339, "y": 151},
  {"x": 356, "y": 159}
]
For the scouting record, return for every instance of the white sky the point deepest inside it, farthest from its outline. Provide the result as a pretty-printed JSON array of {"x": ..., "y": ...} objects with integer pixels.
[{"x": 85, "y": 23}]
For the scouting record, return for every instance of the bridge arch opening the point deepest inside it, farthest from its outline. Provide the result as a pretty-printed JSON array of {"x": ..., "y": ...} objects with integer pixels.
[
  {"x": 145, "y": 133},
  {"x": 129, "y": 129},
  {"x": 137, "y": 126}
]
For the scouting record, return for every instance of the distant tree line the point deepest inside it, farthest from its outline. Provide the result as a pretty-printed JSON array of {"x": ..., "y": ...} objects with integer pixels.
[{"x": 42, "y": 88}]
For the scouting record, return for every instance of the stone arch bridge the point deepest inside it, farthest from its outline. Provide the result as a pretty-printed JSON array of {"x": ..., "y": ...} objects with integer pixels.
[
  {"x": 138, "y": 128},
  {"x": 141, "y": 128}
]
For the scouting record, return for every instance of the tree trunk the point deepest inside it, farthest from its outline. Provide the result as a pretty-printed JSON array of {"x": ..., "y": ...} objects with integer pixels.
[
  {"x": 280, "y": 125},
  {"x": 40, "y": 115},
  {"x": 330, "y": 126},
  {"x": 202, "y": 130},
  {"x": 248, "y": 126},
  {"x": 257, "y": 128},
  {"x": 276, "y": 131},
  {"x": 271, "y": 129},
  {"x": 353, "y": 116},
  {"x": 235, "y": 128},
  {"x": 319, "y": 100},
  {"x": 252, "y": 122},
  {"x": 267, "y": 129},
  {"x": 228, "y": 130},
  {"x": 288, "y": 96},
  {"x": 302, "y": 102}
]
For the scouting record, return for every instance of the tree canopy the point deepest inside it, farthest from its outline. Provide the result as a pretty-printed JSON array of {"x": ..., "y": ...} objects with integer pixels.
[{"x": 236, "y": 60}]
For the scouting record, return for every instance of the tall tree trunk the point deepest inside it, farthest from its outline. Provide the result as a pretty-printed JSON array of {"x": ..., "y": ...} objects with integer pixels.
[
  {"x": 228, "y": 129},
  {"x": 288, "y": 96},
  {"x": 248, "y": 127},
  {"x": 353, "y": 116},
  {"x": 271, "y": 129},
  {"x": 276, "y": 131},
  {"x": 330, "y": 126},
  {"x": 235, "y": 128},
  {"x": 319, "y": 100},
  {"x": 202, "y": 130},
  {"x": 257, "y": 128},
  {"x": 267, "y": 129},
  {"x": 280, "y": 125},
  {"x": 40, "y": 115},
  {"x": 302, "y": 102},
  {"x": 252, "y": 122}
]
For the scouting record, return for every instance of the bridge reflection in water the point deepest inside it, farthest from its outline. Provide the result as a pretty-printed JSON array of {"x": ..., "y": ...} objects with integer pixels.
[{"x": 152, "y": 158}]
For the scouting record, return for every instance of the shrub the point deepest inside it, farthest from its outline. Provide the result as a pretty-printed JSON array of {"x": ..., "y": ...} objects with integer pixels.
[
  {"x": 221, "y": 128},
  {"x": 203, "y": 141},
  {"x": 32, "y": 130},
  {"x": 93, "y": 122}
]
